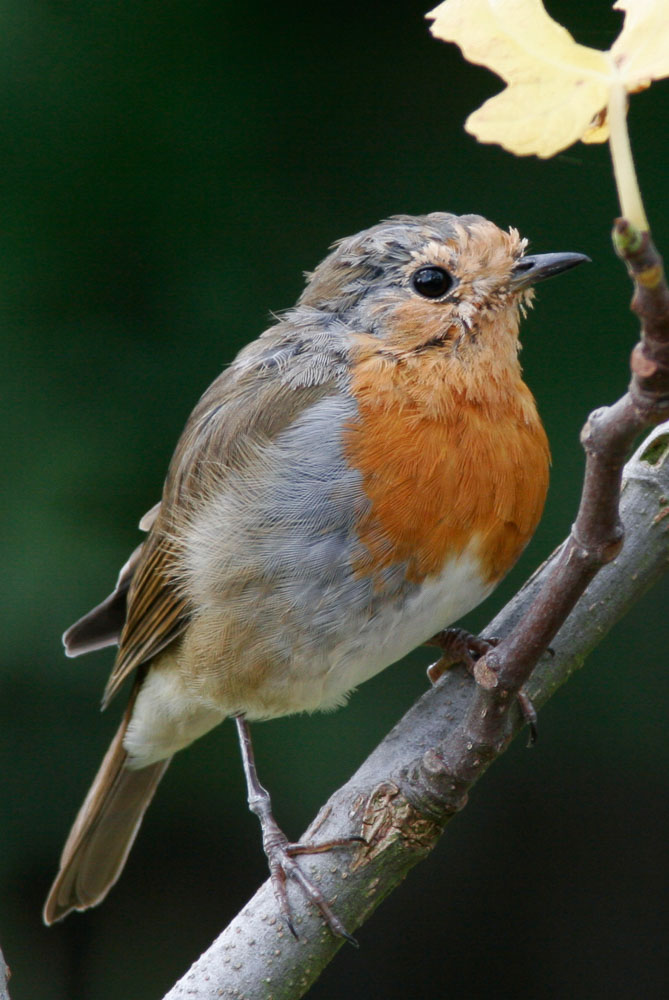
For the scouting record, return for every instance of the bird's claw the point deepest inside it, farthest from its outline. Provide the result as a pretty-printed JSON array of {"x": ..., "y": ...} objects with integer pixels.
[
  {"x": 457, "y": 645},
  {"x": 460, "y": 646},
  {"x": 282, "y": 866},
  {"x": 529, "y": 714}
]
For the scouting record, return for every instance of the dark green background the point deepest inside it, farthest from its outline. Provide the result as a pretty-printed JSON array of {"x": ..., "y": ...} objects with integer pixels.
[{"x": 167, "y": 171}]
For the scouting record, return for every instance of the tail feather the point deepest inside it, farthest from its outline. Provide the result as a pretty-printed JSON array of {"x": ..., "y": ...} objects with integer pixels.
[{"x": 104, "y": 830}]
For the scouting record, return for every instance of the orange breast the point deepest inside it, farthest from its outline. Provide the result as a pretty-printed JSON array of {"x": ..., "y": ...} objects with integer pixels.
[{"x": 445, "y": 466}]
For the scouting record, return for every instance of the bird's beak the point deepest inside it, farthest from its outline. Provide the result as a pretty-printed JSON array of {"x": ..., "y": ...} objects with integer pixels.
[{"x": 528, "y": 270}]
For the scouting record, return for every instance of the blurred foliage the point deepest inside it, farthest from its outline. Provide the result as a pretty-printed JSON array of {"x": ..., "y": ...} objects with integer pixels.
[{"x": 167, "y": 171}]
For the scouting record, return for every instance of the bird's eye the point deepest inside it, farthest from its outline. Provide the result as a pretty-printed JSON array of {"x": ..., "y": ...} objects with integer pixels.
[{"x": 432, "y": 282}]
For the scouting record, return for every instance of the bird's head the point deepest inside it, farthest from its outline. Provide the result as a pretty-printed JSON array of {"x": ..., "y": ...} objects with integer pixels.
[{"x": 442, "y": 281}]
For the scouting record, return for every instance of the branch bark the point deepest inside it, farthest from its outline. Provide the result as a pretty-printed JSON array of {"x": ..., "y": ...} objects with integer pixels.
[
  {"x": 4, "y": 978},
  {"x": 404, "y": 794}
]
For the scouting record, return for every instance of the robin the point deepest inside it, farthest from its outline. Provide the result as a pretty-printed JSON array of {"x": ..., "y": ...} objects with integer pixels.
[{"x": 363, "y": 474}]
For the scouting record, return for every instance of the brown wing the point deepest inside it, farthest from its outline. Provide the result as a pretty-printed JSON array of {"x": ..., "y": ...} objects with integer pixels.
[{"x": 156, "y": 613}]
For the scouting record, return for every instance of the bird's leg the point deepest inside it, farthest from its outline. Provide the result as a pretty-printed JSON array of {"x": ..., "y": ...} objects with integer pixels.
[
  {"x": 460, "y": 646},
  {"x": 279, "y": 850}
]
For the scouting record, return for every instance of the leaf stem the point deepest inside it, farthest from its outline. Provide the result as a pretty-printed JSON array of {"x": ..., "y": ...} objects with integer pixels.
[{"x": 629, "y": 195}]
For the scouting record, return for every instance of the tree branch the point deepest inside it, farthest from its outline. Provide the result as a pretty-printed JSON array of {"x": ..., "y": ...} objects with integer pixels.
[
  {"x": 420, "y": 775},
  {"x": 4, "y": 978}
]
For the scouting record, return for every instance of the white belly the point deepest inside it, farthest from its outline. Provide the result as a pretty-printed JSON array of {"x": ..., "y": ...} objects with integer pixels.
[
  {"x": 179, "y": 702},
  {"x": 396, "y": 630}
]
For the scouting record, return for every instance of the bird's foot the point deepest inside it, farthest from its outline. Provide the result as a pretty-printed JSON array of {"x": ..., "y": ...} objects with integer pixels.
[
  {"x": 281, "y": 854},
  {"x": 457, "y": 645},
  {"x": 460, "y": 646}
]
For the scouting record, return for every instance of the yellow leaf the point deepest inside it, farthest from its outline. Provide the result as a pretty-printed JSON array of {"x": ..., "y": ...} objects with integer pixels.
[
  {"x": 641, "y": 51},
  {"x": 558, "y": 91}
]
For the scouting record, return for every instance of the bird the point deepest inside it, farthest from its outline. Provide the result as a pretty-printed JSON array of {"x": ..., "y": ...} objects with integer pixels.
[{"x": 362, "y": 474}]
